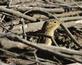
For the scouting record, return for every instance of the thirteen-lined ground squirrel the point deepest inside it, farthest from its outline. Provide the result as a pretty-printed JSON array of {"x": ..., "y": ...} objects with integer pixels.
[{"x": 49, "y": 27}]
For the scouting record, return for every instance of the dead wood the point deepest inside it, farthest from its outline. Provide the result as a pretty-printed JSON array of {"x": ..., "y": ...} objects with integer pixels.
[
  {"x": 73, "y": 23},
  {"x": 74, "y": 64},
  {"x": 26, "y": 61},
  {"x": 39, "y": 4},
  {"x": 54, "y": 10},
  {"x": 7, "y": 44},
  {"x": 65, "y": 50},
  {"x": 20, "y": 61},
  {"x": 31, "y": 27},
  {"x": 2, "y": 63},
  {"x": 21, "y": 23},
  {"x": 16, "y": 13},
  {"x": 71, "y": 36},
  {"x": 71, "y": 18},
  {"x": 74, "y": 13},
  {"x": 8, "y": 53},
  {"x": 13, "y": 37}
]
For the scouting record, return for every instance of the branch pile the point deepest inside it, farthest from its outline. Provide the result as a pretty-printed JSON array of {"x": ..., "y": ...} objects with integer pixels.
[{"x": 21, "y": 23}]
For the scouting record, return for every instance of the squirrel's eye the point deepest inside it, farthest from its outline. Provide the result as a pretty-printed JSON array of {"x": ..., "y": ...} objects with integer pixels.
[{"x": 54, "y": 22}]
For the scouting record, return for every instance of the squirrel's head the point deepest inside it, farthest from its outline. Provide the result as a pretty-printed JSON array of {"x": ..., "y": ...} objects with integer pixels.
[{"x": 53, "y": 24}]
